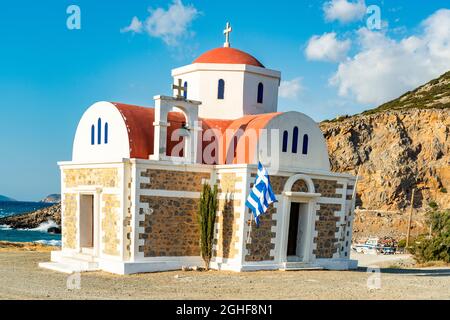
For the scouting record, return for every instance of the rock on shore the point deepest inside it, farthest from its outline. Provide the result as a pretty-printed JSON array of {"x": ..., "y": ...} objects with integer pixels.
[{"x": 32, "y": 220}]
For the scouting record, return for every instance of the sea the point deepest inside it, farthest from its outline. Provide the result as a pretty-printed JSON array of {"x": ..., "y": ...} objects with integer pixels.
[{"x": 38, "y": 235}]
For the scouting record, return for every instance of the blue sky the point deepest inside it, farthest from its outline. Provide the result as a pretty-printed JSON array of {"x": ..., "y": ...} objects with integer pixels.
[{"x": 331, "y": 63}]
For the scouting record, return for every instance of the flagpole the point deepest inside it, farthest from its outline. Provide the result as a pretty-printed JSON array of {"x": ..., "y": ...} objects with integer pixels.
[{"x": 249, "y": 238}]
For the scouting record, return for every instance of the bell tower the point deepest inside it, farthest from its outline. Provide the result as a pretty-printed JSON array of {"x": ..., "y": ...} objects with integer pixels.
[{"x": 230, "y": 83}]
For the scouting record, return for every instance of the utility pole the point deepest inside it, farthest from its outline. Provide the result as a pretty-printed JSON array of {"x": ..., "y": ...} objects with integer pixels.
[{"x": 408, "y": 233}]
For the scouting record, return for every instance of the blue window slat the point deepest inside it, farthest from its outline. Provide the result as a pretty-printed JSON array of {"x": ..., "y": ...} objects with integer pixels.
[
  {"x": 106, "y": 133},
  {"x": 185, "y": 90},
  {"x": 92, "y": 135},
  {"x": 99, "y": 131},
  {"x": 305, "y": 144},
  {"x": 260, "y": 93},
  {"x": 295, "y": 141},
  {"x": 285, "y": 141},
  {"x": 221, "y": 90}
]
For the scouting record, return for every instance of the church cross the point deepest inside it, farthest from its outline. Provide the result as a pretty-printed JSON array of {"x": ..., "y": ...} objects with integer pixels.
[
  {"x": 180, "y": 89},
  {"x": 227, "y": 32}
]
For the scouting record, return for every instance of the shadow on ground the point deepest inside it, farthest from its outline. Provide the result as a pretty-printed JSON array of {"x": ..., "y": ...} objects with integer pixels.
[{"x": 444, "y": 272}]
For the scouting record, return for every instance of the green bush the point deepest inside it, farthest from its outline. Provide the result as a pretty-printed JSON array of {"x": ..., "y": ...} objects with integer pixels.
[
  {"x": 402, "y": 243},
  {"x": 207, "y": 218},
  {"x": 436, "y": 248},
  {"x": 433, "y": 205},
  {"x": 443, "y": 190}
]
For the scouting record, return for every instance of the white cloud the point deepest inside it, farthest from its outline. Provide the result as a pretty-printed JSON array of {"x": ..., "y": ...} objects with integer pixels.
[
  {"x": 385, "y": 68},
  {"x": 290, "y": 89},
  {"x": 135, "y": 26},
  {"x": 344, "y": 11},
  {"x": 327, "y": 48},
  {"x": 170, "y": 25}
]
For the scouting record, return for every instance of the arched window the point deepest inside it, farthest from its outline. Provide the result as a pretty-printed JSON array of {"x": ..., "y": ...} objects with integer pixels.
[
  {"x": 260, "y": 93},
  {"x": 93, "y": 135},
  {"x": 221, "y": 90},
  {"x": 106, "y": 133},
  {"x": 99, "y": 131},
  {"x": 295, "y": 140},
  {"x": 305, "y": 144},
  {"x": 185, "y": 89},
  {"x": 285, "y": 141}
]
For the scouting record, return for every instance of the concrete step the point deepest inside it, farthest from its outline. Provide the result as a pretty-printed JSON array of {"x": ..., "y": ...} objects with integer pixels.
[
  {"x": 70, "y": 265},
  {"x": 293, "y": 266},
  {"x": 81, "y": 265},
  {"x": 57, "y": 266}
]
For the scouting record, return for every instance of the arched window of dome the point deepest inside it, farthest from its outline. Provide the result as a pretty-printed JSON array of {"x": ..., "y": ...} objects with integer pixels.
[
  {"x": 99, "y": 131},
  {"x": 106, "y": 133},
  {"x": 295, "y": 140},
  {"x": 285, "y": 141},
  {"x": 93, "y": 135},
  {"x": 185, "y": 89},
  {"x": 260, "y": 93},
  {"x": 305, "y": 144},
  {"x": 221, "y": 90}
]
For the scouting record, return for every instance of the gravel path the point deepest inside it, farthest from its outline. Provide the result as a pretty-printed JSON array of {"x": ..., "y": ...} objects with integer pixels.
[{"x": 20, "y": 278}]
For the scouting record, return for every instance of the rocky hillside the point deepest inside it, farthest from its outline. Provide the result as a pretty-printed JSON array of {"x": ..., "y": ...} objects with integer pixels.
[
  {"x": 402, "y": 145},
  {"x": 34, "y": 219}
]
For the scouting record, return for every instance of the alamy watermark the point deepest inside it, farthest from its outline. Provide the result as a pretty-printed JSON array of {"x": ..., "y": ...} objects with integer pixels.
[
  {"x": 73, "y": 21},
  {"x": 374, "y": 279},
  {"x": 374, "y": 20}
]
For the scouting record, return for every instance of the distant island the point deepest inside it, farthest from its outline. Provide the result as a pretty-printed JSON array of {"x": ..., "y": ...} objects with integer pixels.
[
  {"x": 52, "y": 198},
  {"x": 5, "y": 198}
]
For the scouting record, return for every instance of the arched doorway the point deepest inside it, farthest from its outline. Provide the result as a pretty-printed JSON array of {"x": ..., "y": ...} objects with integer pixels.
[{"x": 298, "y": 216}]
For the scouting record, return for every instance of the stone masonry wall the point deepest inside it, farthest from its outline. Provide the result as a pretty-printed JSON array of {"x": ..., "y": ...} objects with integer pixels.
[
  {"x": 326, "y": 228},
  {"x": 174, "y": 180},
  {"x": 261, "y": 237},
  {"x": 69, "y": 221},
  {"x": 172, "y": 228},
  {"x": 228, "y": 217},
  {"x": 110, "y": 224},
  {"x": 105, "y": 177},
  {"x": 327, "y": 188}
]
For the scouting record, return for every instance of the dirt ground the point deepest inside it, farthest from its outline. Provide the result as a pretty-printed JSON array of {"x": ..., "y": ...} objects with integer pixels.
[{"x": 20, "y": 278}]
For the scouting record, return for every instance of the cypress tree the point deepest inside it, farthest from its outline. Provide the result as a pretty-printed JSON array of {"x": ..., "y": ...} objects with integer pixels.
[{"x": 207, "y": 218}]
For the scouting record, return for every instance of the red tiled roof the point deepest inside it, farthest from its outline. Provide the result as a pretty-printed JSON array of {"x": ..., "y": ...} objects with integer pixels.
[
  {"x": 139, "y": 123},
  {"x": 228, "y": 56}
]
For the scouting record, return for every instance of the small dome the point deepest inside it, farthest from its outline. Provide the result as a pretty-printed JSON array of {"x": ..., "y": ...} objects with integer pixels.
[{"x": 228, "y": 56}]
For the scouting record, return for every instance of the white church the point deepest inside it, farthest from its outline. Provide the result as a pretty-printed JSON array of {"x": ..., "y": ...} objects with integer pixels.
[{"x": 130, "y": 194}]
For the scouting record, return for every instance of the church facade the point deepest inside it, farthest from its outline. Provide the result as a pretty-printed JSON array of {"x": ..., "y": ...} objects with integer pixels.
[{"x": 130, "y": 194}]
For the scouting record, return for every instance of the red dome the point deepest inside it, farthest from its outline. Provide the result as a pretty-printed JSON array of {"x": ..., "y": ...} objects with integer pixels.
[{"x": 228, "y": 56}]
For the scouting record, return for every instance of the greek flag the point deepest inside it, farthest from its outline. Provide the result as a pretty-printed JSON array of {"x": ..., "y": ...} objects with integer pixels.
[{"x": 261, "y": 195}]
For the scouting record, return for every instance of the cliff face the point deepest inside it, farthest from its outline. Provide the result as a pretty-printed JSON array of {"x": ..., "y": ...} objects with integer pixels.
[
  {"x": 402, "y": 145},
  {"x": 396, "y": 152}
]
